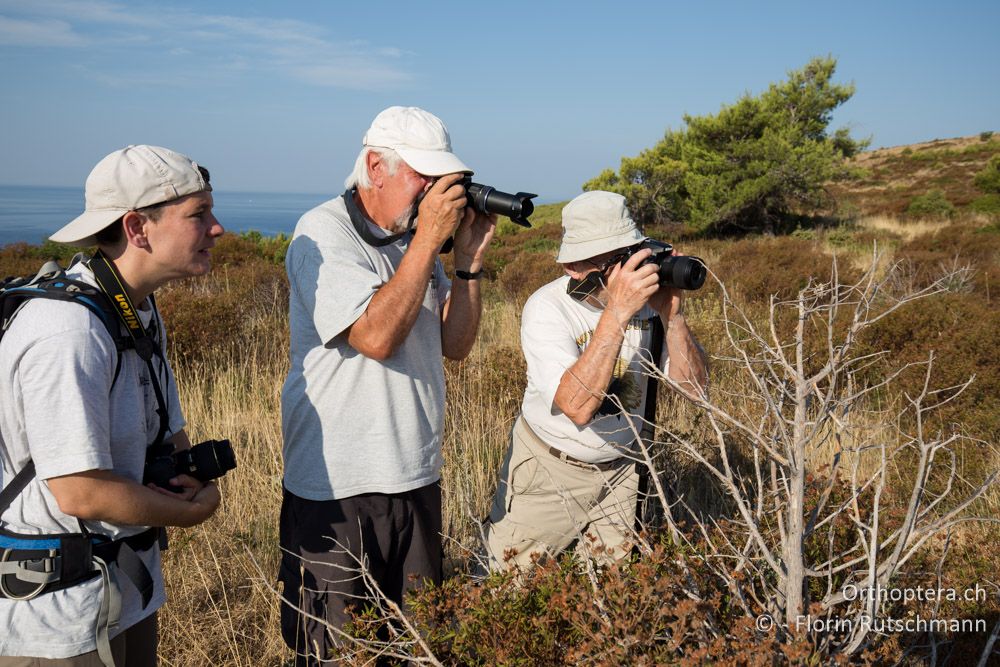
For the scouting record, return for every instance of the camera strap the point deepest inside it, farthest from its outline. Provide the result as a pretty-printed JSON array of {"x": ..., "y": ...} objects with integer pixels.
[
  {"x": 360, "y": 222},
  {"x": 146, "y": 346},
  {"x": 649, "y": 418}
]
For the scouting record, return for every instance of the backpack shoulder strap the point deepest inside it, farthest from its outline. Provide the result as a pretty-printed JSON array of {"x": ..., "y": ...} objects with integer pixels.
[
  {"x": 21, "y": 479},
  {"x": 56, "y": 285}
]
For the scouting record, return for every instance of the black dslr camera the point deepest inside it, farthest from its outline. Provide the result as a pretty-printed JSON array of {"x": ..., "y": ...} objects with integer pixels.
[
  {"x": 205, "y": 461},
  {"x": 487, "y": 199},
  {"x": 683, "y": 272}
]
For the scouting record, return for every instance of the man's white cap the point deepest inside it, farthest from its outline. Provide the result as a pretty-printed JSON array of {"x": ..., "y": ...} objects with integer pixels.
[
  {"x": 595, "y": 223},
  {"x": 128, "y": 179},
  {"x": 419, "y": 137}
]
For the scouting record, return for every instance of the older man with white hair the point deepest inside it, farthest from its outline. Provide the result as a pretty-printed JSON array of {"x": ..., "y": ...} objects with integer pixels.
[
  {"x": 372, "y": 312},
  {"x": 570, "y": 476}
]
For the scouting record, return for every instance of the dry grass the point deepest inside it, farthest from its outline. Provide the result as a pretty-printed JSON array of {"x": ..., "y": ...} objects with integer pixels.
[
  {"x": 220, "y": 610},
  {"x": 906, "y": 230}
]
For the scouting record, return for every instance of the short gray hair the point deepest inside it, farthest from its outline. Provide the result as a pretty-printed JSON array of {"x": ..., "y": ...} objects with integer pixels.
[{"x": 359, "y": 177}]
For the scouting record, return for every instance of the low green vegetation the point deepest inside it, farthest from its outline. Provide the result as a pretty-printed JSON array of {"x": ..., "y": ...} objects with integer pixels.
[{"x": 932, "y": 204}]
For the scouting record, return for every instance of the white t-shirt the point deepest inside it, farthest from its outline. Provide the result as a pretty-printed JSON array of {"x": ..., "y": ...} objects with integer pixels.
[
  {"x": 352, "y": 424},
  {"x": 58, "y": 407},
  {"x": 555, "y": 329}
]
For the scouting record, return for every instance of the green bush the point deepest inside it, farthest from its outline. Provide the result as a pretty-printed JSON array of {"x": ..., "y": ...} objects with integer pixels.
[
  {"x": 987, "y": 204},
  {"x": 988, "y": 180},
  {"x": 986, "y": 136},
  {"x": 932, "y": 204}
]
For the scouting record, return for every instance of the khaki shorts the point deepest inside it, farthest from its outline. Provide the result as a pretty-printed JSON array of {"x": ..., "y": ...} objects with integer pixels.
[{"x": 545, "y": 505}]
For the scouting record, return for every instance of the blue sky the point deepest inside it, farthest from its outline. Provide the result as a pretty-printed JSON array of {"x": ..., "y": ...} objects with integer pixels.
[{"x": 540, "y": 96}]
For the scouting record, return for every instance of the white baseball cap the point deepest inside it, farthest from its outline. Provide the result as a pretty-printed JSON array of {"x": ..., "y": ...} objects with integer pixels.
[
  {"x": 419, "y": 137},
  {"x": 595, "y": 223},
  {"x": 129, "y": 179}
]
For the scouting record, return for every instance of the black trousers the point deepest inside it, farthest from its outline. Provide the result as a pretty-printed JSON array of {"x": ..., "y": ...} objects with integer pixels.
[{"x": 397, "y": 536}]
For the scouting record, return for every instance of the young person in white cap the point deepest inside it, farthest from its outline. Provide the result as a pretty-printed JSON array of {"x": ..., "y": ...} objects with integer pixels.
[
  {"x": 570, "y": 476},
  {"x": 371, "y": 313},
  {"x": 80, "y": 408}
]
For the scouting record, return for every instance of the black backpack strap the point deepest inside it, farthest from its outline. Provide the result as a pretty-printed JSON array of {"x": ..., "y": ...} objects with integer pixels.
[{"x": 21, "y": 480}]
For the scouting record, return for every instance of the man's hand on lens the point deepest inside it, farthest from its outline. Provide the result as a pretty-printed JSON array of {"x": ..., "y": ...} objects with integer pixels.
[
  {"x": 668, "y": 301},
  {"x": 472, "y": 238},
  {"x": 629, "y": 288},
  {"x": 441, "y": 210}
]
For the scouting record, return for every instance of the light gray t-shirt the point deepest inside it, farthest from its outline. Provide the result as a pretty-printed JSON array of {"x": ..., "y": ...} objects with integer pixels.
[
  {"x": 352, "y": 424},
  {"x": 555, "y": 330},
  {"x": 58, "y": 408}
]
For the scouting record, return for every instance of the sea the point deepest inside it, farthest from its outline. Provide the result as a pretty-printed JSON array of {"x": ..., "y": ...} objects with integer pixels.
[{"x": 31, "y": 213}]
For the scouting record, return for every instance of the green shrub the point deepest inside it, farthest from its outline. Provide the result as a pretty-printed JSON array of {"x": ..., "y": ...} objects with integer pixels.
[
  {"x": 988, "y": 180},
  {"x": 986, "y": 204},
  {"x": 840, "y": 237},
  {"x": 932, "y": 204},
  {"x": 239, "y": 249},
  {"x": 986, "y": 136}
]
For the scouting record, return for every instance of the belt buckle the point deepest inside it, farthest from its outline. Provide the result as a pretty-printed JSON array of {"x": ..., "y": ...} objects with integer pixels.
[{"x": 49, "y": 568}]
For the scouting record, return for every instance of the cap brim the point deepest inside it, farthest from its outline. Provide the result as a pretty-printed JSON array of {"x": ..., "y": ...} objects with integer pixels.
[
  {"x": 575, "y": 252},
  {"x": 82, "y": 229},
  {"x": 432, "y": 163}
]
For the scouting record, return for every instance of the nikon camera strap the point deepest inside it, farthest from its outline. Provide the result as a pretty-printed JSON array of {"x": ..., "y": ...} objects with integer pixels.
[{"x": 145, "y": 345}]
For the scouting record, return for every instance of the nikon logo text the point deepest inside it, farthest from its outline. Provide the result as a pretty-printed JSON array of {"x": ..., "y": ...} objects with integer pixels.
[{"x": 131, "y": 321}]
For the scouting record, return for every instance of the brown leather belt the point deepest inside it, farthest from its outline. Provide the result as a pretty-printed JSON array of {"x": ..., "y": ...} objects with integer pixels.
[{"x": 566, "y": 458}]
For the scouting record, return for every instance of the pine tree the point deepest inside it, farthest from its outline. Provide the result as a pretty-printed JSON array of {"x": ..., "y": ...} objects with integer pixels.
[{"x": 748, "y": 166}]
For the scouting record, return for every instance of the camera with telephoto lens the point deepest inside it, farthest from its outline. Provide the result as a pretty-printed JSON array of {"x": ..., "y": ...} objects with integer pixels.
[
  {"x": 205, "y": 461},
  {"x": 683, "y": 272},
  {"x": 487, "y": 199}
]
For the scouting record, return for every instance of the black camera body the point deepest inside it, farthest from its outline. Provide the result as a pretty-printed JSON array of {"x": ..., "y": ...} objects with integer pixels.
[
  {"x": 683, "y": 272},
  {"x": 487, "y": 199},
  {"x": 205, "y": 461}
]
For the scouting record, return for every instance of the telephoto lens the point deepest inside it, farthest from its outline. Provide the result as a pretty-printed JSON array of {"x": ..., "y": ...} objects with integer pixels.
[{"x": 487, "y": 199}]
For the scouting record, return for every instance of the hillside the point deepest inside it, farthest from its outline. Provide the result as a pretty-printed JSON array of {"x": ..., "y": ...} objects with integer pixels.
[{"x": 888, "y": 179}]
